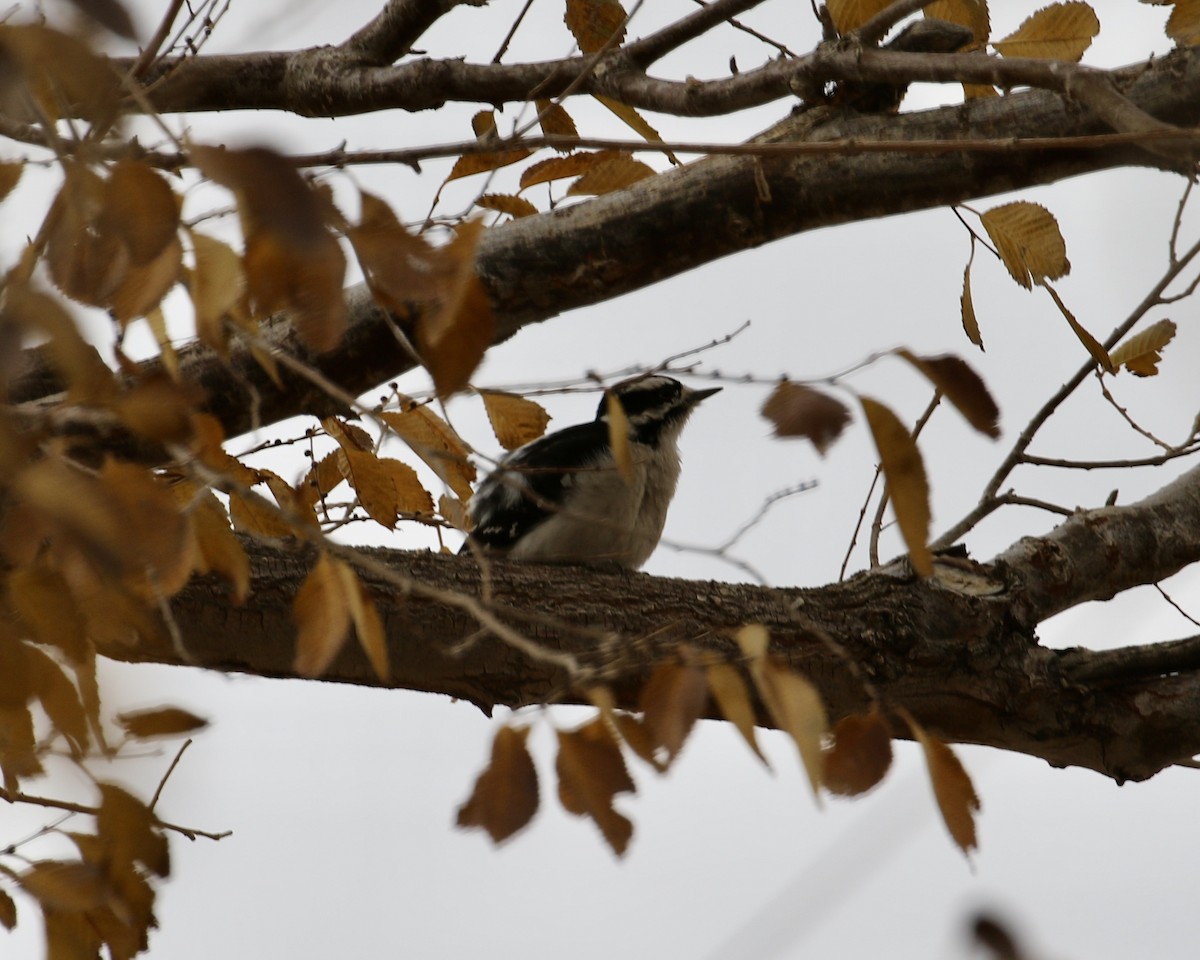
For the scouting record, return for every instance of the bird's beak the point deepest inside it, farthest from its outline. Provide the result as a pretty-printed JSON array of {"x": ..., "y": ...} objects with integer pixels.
[{"x": 697, "y": 395}]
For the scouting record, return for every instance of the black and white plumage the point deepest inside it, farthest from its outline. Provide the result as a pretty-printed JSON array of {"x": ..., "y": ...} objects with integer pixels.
[{"x": 561, "y": 498}]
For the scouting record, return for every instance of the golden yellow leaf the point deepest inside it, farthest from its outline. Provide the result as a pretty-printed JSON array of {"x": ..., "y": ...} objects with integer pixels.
[
  {"x": 515, "y": 420},
  {"x": 618, "y": 436},
  {"x": 799, "y": 411},
  {"x": 753, "y": 639},
  {"x": 216, "y": 283},
  {"x": 156, "y": 320},
  {"x": 470, "y": 164},
  {"x": 157, "y": 542},
  {"x": 85, "y": 263},
  {"x": 253, "y": 514},
  {"x": 1090, "y": 343},
  {"x": 432, "y": 439},
  {"x": 849, "y": 15},
  {"x": 1029, "y": 242},
  {"x": 560, "y": 168},
  {"x": 554, "y": 121},
  {"x": 321, "y": 611},
  {"x": 591, "y": 772},
  {"x": 140, "y": 208},
  {"x": 1141, "y": 353},
  {"x": 158, "y": 408},
  {"x": 907, "y": 486},
  {"x": 59, "y": 699},
  {"x": 322, "y": 478},
  {"x": 453, "y": 338},
  {"x": 291, "y": 260},
  {"x": 219, "y": 550},
  {"x": 400, "y": 268},
  {"x": 454, "y": 512},
  {"x": 1183, "y": 26},
  {"x": 860, "y": 756},
  {"x": 796, "y": 707},
  {"x": 160, "y": 722},
  {"x": 10, "y": 176},
  {"x": 636, "y": 734},
  {"x": 594, "y": 22},
  {"x": 960, "y": 385},
  {"x": 671, "y": 702},
  {"x": 955, "y": 794},
  {"x": 732, "y": 697},
  {"x": 612, "y": 174},
  {"x": 515, "y": 207},
  {"x": 972, "y": 14},
  {"x": 368, "y": 625},
  {"x": 373, "y": 484},
  {"x": 969, "y": 322},
  {"x": 1061, "y": 31},
  {"x": 505, "y": 797},
  {"x": 636, "y": 122}
]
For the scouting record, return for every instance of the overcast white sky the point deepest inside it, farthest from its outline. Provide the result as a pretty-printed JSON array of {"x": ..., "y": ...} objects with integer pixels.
[{"x": 342, "y": 800}]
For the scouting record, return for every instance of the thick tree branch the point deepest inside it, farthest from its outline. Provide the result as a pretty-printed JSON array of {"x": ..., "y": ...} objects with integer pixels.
[{"x": 958, "y": 649}]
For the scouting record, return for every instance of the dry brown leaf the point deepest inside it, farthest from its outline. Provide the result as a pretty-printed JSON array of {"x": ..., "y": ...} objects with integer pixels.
[
  {"x": 618, "y": 436},
  {"x": 216, "y": 283},
  {"x": 400, "y": 268},
  {"x": 1029, "y": 242},
  {"x": 10, "y": 176},
  {"x": 453, "y": 338},
  {"x": 454, "y": 512},
  {"x": 484, "y": 124},
  {"x": 560, "y": 168},
  {"x": 799, "y": 411},
  {"x": 753, "y": 640},
  {"x": 85, "y": 263},
  {"x": 515, "y": 207},
  {"x": 1183, "y": 26},
  {"x": 956, "y": 797},
  {"x": 253, "y": 514},
  {"x": 907, "y": 486},
  {"x": 972, "y": 14},
  {"x": 432, "y": 439},
  {"x": 8, "y": 911},
  {"x": 860, "y": 756},
  {"x": 1090, "y": 343},
  {"x": 291, "y": 260},
  {"x": 160, "y": 722},
  {"x": 321, "y": 611},
  {"x": 59, "y": 699},
  {"x": 849, "y": 15},
  {"x": 591, "y": 772},
  {"x": 1061, "y": 31},
  {"x": 732, "y": 697},
  {"x": 636, "y": 122},
  {"x": 962, "y": 386},
  {"x": 321, "y": 480},
  {"x": 158, "y": 408},
  {"x": 594, "y": 22},
  {"x": 219, "y": 550},
  {"x": 65, "y": 885},
  {"x": 635, "y": 733},
  {"x": 143, "y": 286},
  {"x": 368, "y": 624},
  {"x": 64, "y": 76},
  {"x": 130, "y": 832},
  {"x": 140, "y": 208},
  {"x": 41, "y": 597},
  {"x": 795, "y": 705},
  {"x": 612, "y": 174},
  {"x": 505, "y": 797},
  {"x": 967, "y": 302},
  {"x": 671, "y": 702},
  {"x": 515, "y": 420},
  {"x": 555, "y": 121},
  {"x": 1142, "y": 353}
]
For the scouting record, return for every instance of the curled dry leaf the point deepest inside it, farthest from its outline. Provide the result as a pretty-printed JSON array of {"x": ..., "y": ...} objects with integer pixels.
[
  {"x": 591, "y": 772},
  {"x": 907, "y": 485},
  {"x": 593, "y": 23},
  {"x": 515, "y": 207},
  {"x": 1141, "y": 354},
  {"x": 962, "y": 386},
  {"x": 796, "y": 707},
  {"x": 671, "y": 702},
  {"x": 955, "y": 794},
  {"x": 321, "y": 611},
  {"x": 799, "y": 411},
  {"x": 636, "y": 122},
  {"x": 515, "y": 420},
  {"x": 160, "y": 722},
  {"x": 433, "y": 440},
  {"x": 860, "y": 756},
  {"x": 219, "y": 550},
  {"x": 1090, "y": 343},
  {"x": 967, "y": 302},
  {"x": 732, "y": 697},
  {"x": 1029, "y": 242},
  {"x": 505, "y": 797},
  {"x": 1061, "y": 31},
  {"x": 216, "y": 283}
]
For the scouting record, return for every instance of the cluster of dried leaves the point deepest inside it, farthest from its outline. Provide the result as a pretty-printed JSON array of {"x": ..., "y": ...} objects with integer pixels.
[{"x": 846, "y": 760}]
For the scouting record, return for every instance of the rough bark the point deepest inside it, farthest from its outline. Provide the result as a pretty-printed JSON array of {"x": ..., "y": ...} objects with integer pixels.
[{"x": 959, "y": 650}]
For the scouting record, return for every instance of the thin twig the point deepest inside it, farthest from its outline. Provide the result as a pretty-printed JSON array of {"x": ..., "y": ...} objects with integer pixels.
[
  {"x": 146, "y": 57},
  {"x": 166, "y": 776}
]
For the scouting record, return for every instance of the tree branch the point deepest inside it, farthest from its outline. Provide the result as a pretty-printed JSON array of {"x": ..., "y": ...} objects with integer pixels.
[
  {"x": 959, "y": 649},
  {"x": 399, "y": 25}
]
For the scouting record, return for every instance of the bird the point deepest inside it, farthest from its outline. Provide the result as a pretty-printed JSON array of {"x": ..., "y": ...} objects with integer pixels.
[{"x": 562, "y": 497}]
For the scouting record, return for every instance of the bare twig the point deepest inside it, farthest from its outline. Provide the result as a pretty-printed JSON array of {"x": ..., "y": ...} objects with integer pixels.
[
  {"x": 146, "y": 57},
  {"x": 167, "y": 776}
]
